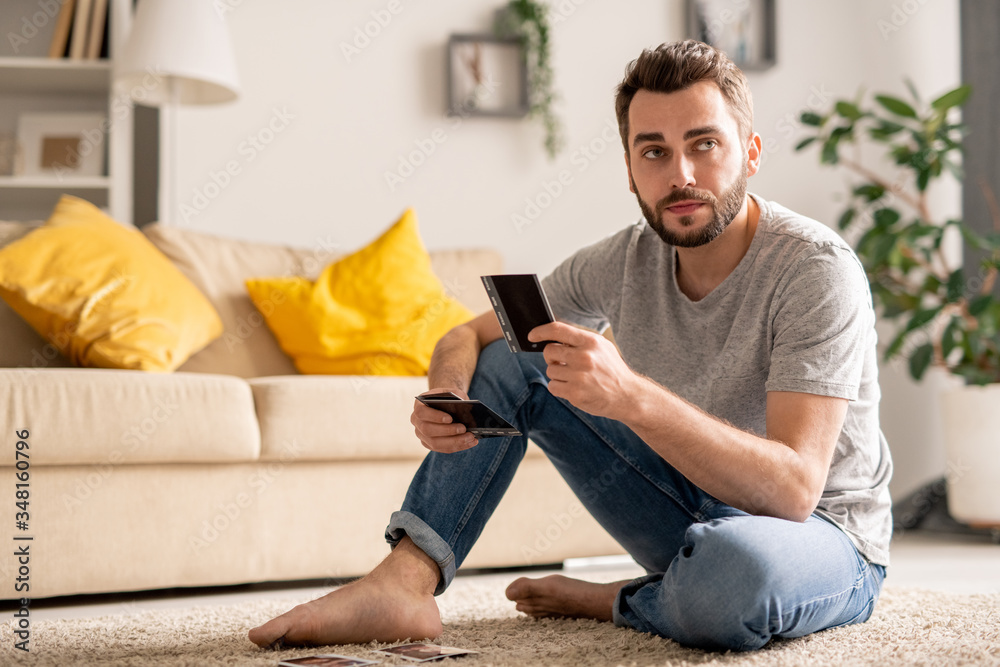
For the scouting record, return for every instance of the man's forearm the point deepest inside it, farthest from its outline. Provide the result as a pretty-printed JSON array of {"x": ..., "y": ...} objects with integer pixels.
[
  {"x": 756, "y": 474},
  {"x": 454, "y": 359}
]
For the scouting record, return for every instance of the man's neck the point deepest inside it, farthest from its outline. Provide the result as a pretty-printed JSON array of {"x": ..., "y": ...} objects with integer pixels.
[{"x": 700, "y": 270}]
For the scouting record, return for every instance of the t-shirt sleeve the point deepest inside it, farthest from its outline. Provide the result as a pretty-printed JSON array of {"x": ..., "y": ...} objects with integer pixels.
[
  {"x": 587, "y": 286},
  {"x": 822, "y": 324}
]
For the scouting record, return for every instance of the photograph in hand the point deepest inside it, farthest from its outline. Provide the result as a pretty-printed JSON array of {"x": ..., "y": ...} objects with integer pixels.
[{"x": 478, "y": 419}]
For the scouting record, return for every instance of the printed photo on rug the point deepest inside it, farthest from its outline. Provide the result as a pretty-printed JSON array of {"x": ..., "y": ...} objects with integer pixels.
[
  {"x": 327, "y": 660},
  {"x": 425, "y": 652}
]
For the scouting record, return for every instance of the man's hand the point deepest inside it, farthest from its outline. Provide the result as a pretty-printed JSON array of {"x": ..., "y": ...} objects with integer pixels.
[
  {"x": 586, "y": 369},
  {"x": 437, "y": 430}
]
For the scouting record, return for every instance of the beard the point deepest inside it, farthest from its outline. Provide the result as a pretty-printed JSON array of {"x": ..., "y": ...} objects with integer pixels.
[{"x": 724, "y": 210}]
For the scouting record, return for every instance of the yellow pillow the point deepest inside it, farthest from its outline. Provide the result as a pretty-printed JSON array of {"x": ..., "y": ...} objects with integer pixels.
[
  {"x": 103, "y": 294},
  {"x": 379, "y": 311}
]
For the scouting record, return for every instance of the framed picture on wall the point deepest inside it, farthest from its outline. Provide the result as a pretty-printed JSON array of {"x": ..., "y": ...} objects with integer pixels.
[
  {"x": 487, "y": 76},
  {"x": 61, "y": 144},
  {"x": 743, "y": 29}
]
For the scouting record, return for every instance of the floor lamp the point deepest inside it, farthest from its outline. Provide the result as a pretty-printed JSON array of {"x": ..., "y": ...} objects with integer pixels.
[{"x": 177, "y": 52}]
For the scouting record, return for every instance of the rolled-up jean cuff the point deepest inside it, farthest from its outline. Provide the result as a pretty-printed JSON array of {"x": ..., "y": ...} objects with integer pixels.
[
  {"x": 427, "y": 540},
  {"x": 621, "y": 614}
]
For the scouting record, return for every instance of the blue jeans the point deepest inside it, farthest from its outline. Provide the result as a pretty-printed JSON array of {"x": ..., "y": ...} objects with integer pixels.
[{"x": 719, "y": 578}]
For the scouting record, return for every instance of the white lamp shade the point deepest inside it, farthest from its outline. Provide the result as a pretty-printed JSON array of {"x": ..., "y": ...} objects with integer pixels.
[{"x": 178, "y": 51}]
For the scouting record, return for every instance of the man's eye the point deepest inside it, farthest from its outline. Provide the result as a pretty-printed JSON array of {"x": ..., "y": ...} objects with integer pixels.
[
  {"x": 706, "y": 145},
  {"x": 652, "y": 153}
]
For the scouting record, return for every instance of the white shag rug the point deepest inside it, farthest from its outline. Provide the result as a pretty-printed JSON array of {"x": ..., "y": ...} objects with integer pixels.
[{"x": 909, "y": 627}]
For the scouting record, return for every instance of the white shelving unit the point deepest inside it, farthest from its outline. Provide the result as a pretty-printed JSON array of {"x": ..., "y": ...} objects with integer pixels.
[{"x": 30, "y": 82}]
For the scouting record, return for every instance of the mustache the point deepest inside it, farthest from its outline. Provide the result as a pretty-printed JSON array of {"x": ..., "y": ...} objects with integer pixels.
[{"x": 685, "y": 194}]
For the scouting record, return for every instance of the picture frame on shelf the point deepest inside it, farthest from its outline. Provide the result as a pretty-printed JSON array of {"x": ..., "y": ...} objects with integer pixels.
[
  {"x": 743, "y": 29},
  {"x": 61, "y": 144},
  {"x": 487, "y": 76},
  {"x": 8, "y": 153}
]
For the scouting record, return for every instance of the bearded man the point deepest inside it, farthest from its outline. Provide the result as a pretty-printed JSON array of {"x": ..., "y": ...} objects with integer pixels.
[{"x": 739, "y": 408}]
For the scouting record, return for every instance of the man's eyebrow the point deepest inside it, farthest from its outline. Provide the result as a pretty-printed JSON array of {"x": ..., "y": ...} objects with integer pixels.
[
  {"x": 690, "y": 134},
  {"x": 646, "y": 136},
  {"x": 700, "y": 131}
]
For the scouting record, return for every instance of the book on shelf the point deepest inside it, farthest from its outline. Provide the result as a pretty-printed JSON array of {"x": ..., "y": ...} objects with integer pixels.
[
  {"x": 81, "y": 27},
  {"x": 60, "y": 37},
  {"x": 81, "y": 31},
  {"x": 98, "y": 25}
]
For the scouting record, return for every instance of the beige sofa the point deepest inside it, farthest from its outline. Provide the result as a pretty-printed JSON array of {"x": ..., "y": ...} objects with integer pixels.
[{"x": 233, "y": 469}]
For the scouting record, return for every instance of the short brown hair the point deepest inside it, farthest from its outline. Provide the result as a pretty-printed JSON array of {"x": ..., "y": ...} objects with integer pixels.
[{"x": 676, "y": 66}]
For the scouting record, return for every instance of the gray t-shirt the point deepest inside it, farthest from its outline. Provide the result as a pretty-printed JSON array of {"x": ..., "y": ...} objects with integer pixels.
[{"x": 795, "y": 315}]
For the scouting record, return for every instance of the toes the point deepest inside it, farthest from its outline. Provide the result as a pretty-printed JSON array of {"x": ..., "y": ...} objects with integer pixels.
[
  {"x": 268, "y": 634},
  {"x": 517, "y": 589}
]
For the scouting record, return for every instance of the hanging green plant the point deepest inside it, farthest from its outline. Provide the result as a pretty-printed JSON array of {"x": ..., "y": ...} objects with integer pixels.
[{"x": 528, "y": 20}]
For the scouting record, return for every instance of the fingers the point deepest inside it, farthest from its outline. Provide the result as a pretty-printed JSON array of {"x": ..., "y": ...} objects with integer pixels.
[
  {"x": 560, "y": 332},
  {"x": 437, "y": 430}
]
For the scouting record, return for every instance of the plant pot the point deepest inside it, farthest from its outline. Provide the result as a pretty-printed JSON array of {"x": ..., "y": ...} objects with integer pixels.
[{"x": 972, "y": 440}]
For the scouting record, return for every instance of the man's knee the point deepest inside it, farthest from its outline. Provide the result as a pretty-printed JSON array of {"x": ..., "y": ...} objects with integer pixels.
[
  {"x": 500, "y": 370},
  {"x": 730, "y": 589}
]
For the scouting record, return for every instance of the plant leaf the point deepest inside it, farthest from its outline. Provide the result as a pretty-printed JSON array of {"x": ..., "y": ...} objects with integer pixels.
[
  {"x": 956, "y": 286},
  {"x": 896, "y": 106},
  {"x": 922, "y": 317},
  {"x": 870, "y": 191},
  {"x": 886, "y": 217},
  {"x": 920, "y": 360},
  {"x": 846, "y": 218},
  {"x": 979, "y": 305},
  {"x": 895, "y": 346},
  {"x": 811, "y": 118},
  {"x": 953, "y": 98},
  {"x": 829, "y": 153},
  {"x": 848, "y": 110},
  {"x": 949, "y": 340},
  {"x": 805, "y": 142}
]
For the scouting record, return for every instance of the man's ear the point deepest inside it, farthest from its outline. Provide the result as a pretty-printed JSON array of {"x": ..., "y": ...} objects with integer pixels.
[
  {"x": 628, "y": 167},
  {"x": 754, "y": 152}
]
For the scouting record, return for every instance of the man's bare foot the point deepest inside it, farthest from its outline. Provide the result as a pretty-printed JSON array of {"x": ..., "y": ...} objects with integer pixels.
[
  {"x": 556, "y": 595},
  {"x": 394, "y": 602}
]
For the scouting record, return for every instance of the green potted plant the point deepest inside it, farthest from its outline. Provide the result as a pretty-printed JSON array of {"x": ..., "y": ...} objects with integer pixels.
[
  {"x": 942, "y": 315},
  {"x": 528, "y": 20}
]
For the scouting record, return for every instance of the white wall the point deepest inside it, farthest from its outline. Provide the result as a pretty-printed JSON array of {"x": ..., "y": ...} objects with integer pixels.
[{"x": 344, "y": 123}]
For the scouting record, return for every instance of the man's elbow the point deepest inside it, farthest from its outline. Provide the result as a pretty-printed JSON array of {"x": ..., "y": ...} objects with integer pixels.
[{"x": 802, "y": 502}]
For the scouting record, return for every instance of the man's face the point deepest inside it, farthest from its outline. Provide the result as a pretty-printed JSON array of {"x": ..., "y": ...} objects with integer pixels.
[{"x": 687, "y": 165}]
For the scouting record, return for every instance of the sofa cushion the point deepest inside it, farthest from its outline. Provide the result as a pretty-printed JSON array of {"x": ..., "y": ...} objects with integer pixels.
[
  {"x": 378, "y": 311},
  {"x": 109, "y": 417},
  {"x": 103, "y": 294},
  {"x": 219, "y": 267},
  {"x": 337, "y": 418},
  {"x": 22, "y": 345}
]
